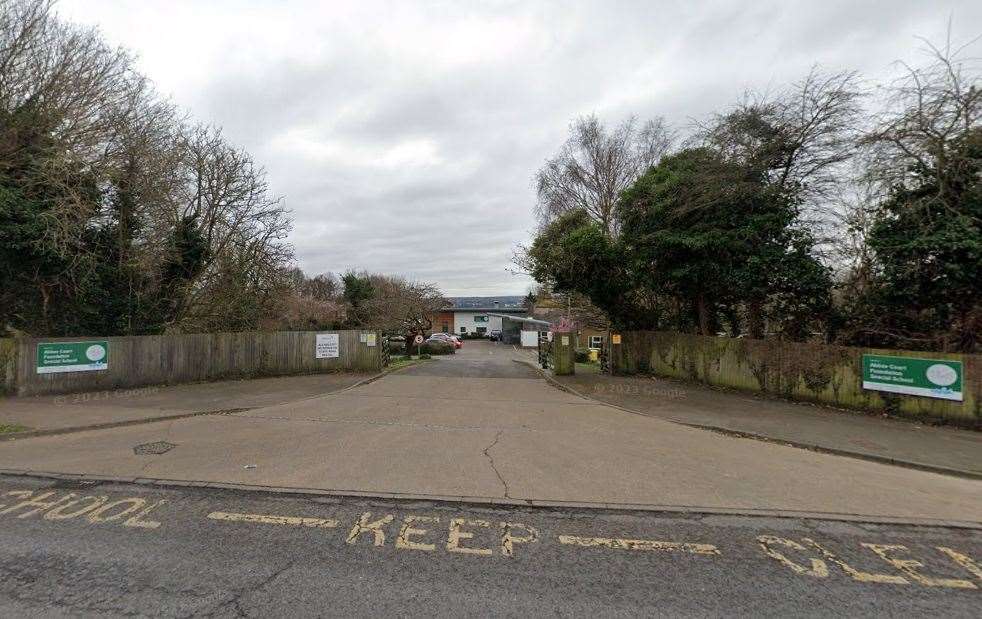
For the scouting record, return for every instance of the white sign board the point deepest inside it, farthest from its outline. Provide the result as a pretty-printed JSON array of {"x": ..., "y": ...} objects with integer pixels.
[
  {"x": 530, "y": 339},
  {"x": 370, "y": 339},
  {"x": 328, "y": 346}
]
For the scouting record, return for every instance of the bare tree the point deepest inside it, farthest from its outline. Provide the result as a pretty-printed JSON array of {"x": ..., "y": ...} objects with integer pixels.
[
  {"x": 595, "y": 165},
  {"x": 403, "y": 306},
  {"x": 311, "y": 302},
  {"x": 226, "y": 199},
  {"x": 798, "y": 140},
  {"x": 106, "y": 170},
  {"x": 849, "y": 255},
  {"x": 930, "y": 112},
  {"x": 68, "y": 101}
]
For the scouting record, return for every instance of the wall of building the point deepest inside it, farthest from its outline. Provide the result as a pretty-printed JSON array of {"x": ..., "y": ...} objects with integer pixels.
[
  {"x": 171, "y": 359},
  {"x": 495, "y": 323},
  {"x": 443, "y": 323},
  {"x": 469, "y": 321},
  {"x": 584, "y": 334},
  {"x": 796, "y": 370}
]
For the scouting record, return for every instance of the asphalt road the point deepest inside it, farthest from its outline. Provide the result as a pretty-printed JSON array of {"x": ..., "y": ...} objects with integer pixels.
[{"x": 136, "y": 550}]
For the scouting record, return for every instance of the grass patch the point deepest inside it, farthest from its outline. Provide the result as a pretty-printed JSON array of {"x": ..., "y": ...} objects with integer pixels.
[
  {"x": 402, "y": 362},
  {"x": 587, "y": 368},
  {"x": 8, "y": 428}
]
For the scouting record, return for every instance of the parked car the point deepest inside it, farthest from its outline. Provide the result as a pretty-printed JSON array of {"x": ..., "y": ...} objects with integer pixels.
[
  {"x": 494, "y": 335},
  {"x": 446, "y": 337}
]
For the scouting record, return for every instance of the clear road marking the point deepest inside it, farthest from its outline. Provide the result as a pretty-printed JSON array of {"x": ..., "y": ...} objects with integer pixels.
[
  {"x": 637, "y": 544},
  {"x": 963, "y": 560},
  {"x": 297, "y": 521},
  {"x": 909, "y": 568}
]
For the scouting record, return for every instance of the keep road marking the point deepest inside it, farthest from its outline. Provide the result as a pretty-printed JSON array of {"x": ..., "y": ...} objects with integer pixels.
[
  {"x": 317, "y": 523},
  {"x": 876, "y": 563},
  {"x": 637, "y": 544}
]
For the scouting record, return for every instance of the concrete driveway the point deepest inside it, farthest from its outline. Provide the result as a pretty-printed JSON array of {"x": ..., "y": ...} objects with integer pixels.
[{"x": 479, "y": 425}]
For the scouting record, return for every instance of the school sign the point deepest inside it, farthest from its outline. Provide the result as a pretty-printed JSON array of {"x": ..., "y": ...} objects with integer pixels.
[
  {"x": 932, "y": 378},
  {"x": 72, "y": 357}
]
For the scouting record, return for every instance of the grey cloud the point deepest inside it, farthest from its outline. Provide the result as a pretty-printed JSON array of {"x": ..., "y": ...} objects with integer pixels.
[{"x": 404, "y": 137}]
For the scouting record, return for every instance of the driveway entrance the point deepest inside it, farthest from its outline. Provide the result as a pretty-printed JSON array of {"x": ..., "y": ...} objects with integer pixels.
[
  {"x": 477, "y": 359},
  {"x": 479, "y": 426}
]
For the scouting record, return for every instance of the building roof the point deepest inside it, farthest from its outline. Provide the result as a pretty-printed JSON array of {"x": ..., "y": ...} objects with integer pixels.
[{"x": 487, "y": 304}]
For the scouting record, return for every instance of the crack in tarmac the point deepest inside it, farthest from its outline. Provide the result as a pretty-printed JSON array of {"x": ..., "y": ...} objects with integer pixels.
[
  {"x": 235, "y": 600},
  {"x": 491, "y": 461}
]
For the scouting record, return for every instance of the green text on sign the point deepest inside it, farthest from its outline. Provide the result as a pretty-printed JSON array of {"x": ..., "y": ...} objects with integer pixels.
[
  {"x": 932, "y": 378},
  {"x": 72, "y": 357}
]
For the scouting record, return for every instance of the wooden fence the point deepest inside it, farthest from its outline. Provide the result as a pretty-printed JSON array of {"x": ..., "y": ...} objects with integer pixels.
[
  {"x": 8, "y": 366},
  {"x": 803, "y": 371},
  {"x": 172, "y": 359}
]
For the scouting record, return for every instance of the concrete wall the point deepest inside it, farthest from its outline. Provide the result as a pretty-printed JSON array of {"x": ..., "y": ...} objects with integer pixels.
[
  {"x": 171, "y": 359},
  {"x": 803, "y": 371}
]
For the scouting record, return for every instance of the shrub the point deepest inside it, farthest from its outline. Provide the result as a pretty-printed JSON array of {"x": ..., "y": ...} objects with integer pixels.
[{"x": 582, "y": 355}]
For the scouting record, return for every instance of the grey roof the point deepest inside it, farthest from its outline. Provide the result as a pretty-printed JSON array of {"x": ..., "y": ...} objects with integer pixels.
[
  {"x": 484, "y": 302},
  {"x": 519, "y": 310}
]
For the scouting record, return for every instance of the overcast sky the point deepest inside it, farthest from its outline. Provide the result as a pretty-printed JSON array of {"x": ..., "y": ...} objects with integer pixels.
[{"x": 404, "y": 136}]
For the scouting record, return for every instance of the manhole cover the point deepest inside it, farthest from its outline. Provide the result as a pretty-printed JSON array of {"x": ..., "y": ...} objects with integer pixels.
[{"x": 153, "y": 449}]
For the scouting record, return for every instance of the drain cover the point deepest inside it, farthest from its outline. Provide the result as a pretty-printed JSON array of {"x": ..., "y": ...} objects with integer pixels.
[{"x": 153, "y": 449}]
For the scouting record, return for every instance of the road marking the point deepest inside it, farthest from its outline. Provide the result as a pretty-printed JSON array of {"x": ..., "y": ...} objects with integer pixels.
[
  {"x": 910, "y": 567},
  {"x": 97, "y": 509},
  {"x": 963, "y": 560},
  {"x": 407, "y": 531},
  {"x": 375, "y": 528},
  {"x": 509, "y": 537},
  {"x": 296, "y": 521},
  {"x": 458, "y": 535},
  {"x": 637, "y": 544},
  {"x": 818, "y": 568}
]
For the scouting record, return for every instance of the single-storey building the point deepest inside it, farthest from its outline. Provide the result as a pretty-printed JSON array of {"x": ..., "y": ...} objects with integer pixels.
[
  {"x": 521, "y": 330},
  {"x": 475, "y": 315}
]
